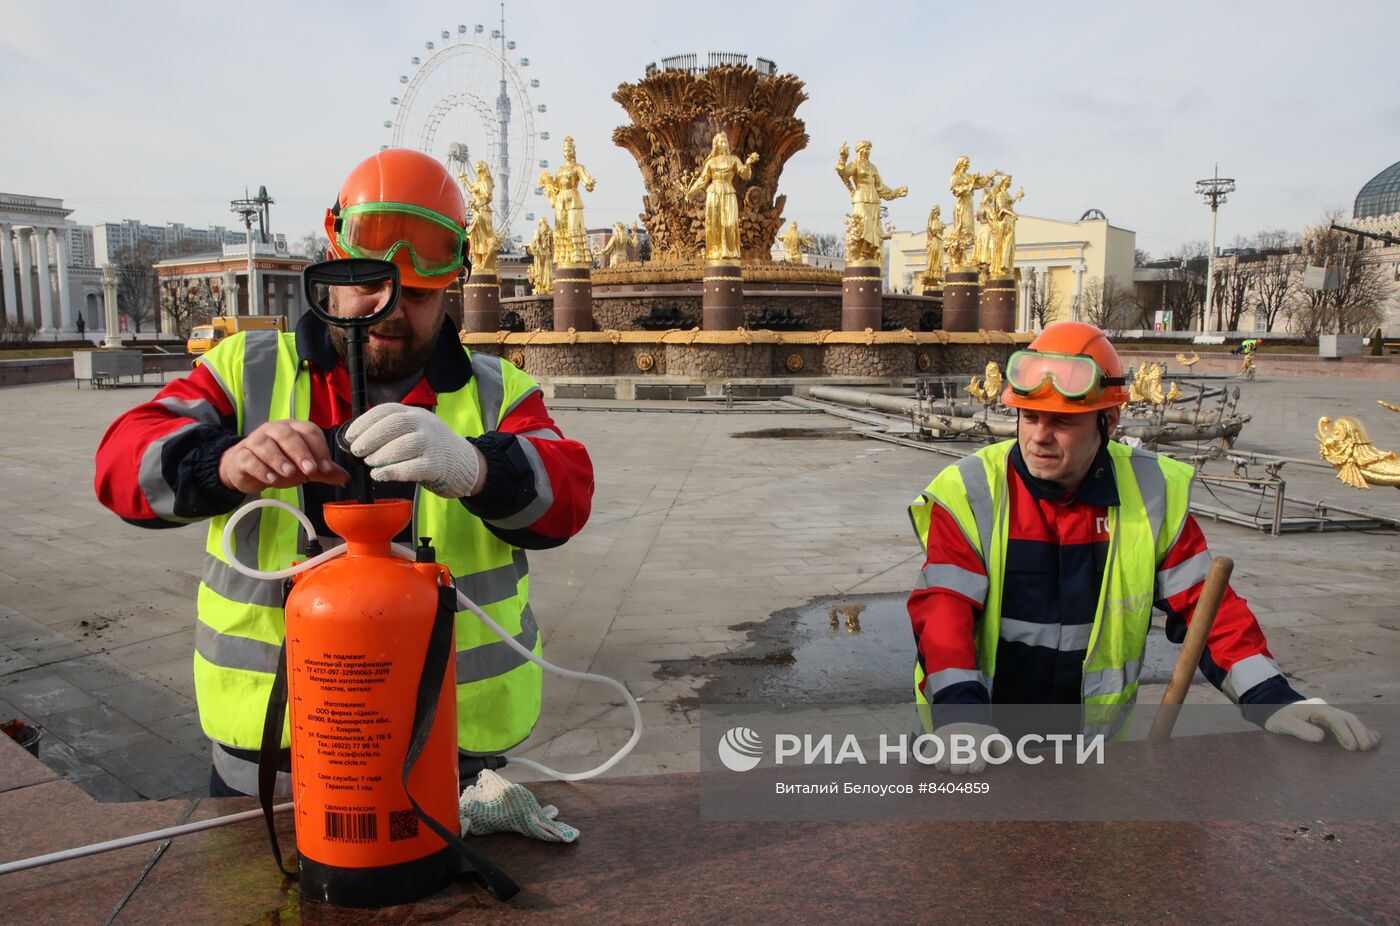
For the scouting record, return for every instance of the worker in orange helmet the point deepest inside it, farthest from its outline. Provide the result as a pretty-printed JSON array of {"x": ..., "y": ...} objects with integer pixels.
[
  {"x": 464, "y": 435},
  {"x": 1046, "y": 555}
]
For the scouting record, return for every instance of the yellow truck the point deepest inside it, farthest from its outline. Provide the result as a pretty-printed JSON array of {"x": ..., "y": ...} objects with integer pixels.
[{"x": 204, "y": 337}]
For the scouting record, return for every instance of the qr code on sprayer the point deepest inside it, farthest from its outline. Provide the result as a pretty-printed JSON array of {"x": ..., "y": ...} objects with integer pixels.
[{"x": 403, "y": 824}]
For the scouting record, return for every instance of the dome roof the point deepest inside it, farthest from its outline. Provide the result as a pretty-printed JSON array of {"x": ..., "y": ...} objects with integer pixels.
[{"x": 1380, "y": 195}]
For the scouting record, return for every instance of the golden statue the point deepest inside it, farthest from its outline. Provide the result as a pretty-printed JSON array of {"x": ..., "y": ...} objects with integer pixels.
[
  {"x": 1173, "y": 393},
  {"x": 960, "y": 237},
  {"x": 793, "y": 243},
  {"x": 986, "y": 390},
  {"x": 481, "y": 233},
  {"x": 1188, "y": 362},
  {"x": 982, "y": 246},
  {"x": 716, "y": 178},
  {"x": 570, "y": 233},
  {"x": 1147, "y": 384},
  {"x": 933, "y": 250},
  {"x": 615, "y": 252},
  {"x": 1004, "y": 216},
  {"x": 1360, "y": 464},
  {"x": 541, "y": 251},
  {"x": 862, "y": 179},
  {"x": 992, "y": 378}
]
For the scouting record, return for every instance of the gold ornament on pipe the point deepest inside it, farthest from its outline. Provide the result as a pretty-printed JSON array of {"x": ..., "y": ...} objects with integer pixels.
[{"x": 1360, "y": 463}]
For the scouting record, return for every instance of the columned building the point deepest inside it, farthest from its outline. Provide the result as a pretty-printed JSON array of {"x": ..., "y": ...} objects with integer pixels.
[
  {"x": 276, "y": 284},
  {"x": 35, "y": 284}
]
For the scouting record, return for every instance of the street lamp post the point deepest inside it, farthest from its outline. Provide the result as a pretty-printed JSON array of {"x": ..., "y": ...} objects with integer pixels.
[
  {"x": 247, "y": 209},
  {"x": 1214, "y": 190}
]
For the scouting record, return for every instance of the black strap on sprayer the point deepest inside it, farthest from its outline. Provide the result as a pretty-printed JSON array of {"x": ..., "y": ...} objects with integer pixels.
[
  {"x": 270, "y": 750},
  {"x": 484, "y": 872}
]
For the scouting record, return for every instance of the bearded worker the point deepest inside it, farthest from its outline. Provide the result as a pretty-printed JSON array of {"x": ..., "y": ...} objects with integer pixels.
[
  {"x": 1047, "y": 553},
  {"x": 465, "y": 436}
]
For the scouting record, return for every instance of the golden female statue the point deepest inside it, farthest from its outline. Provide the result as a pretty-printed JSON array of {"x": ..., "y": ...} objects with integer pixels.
[
  {"x": 541, "y": 250},
  {"x": 1004, "y": 218},
  {"x": 933, "y": 251},
  {"x": 481, "y": 234},
  {"x": 793, "y": 243},
  {"x": 960, "y": 235},
  {"x": 570, "y": 233},
  {"x": 716, "y": 178},
  {"x": 982, "y": 246},
  {"x": 862, "y": 178},
  {"x": 616, "y": 250}
]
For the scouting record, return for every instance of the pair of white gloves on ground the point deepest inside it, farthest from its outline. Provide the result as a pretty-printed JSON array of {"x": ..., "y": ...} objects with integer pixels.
[
  {"x": 495, "y": 805},
  {"x": 402, "y": 443},
  {"x": 1309, "y": 720}
]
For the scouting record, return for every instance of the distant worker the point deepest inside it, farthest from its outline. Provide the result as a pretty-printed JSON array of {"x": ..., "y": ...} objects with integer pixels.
[
  {"x": 1038, "y": 545},
  {"x": 465, "y": 435},
  {"x": 1247, "y": 347}
]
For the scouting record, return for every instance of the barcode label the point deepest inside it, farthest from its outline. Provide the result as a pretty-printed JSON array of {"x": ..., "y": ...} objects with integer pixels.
[{"x": 351, "y": 827}]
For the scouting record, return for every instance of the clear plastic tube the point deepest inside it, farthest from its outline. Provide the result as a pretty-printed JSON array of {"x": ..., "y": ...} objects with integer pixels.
[{"x": 464, "y": 602}]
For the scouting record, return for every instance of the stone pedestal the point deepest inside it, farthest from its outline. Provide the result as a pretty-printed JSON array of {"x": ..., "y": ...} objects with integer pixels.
[
  {"x": 573, "y": 297},
  {"x": 860, "y": 296},
  {"x": 997, "y": 310},
  {"x": 481, "y": 303},
  {"x": 723, "y": 301},
  {"x": 960, "y": 297}
]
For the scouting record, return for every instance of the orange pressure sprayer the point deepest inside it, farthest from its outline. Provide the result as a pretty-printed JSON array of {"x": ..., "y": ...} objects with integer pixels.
[{"x": 367, "y": 679}]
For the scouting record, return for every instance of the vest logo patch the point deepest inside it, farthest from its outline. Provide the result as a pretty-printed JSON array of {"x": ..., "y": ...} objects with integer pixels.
[{"x": 1128, "y": 604}]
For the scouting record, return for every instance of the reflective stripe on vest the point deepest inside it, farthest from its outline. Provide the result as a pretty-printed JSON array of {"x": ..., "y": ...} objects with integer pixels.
[
  {"x": 1153, "y": 501},
  {"x": 241, "y": 623}
]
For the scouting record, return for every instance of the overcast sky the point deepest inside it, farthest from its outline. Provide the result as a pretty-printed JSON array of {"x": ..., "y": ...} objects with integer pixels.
[{"x": 164, "y": 111}]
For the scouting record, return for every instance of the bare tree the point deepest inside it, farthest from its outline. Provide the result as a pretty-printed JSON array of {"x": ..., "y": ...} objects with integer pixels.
[
  {"x": 1233, "y": 282},
  {"x": 1105, "y": 304},
  {"x": 1273, "y": 239},
  {"x": 185, "y": 305},
  {"x": 136, "y": 283},
  {"x": 828, "y": 245},
  {"x": 1362, "y": 286},
  {"x": 1184, "y": 284},
  {"x": 1277, "y": 280},
  {"x": 313, "y": 245},
  {"x": 1141, "y": 258},
  {"x": 1044, "y": 301}
]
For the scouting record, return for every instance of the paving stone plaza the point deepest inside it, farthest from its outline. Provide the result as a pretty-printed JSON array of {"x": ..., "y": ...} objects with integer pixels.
[{"x": 697, "y": 537}]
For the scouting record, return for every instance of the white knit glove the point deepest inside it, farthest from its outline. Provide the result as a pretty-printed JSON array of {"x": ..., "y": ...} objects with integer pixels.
[
  {"x": 402, "y": 443},
  {"x": 979, "y": 733},
  {"x": 495, "y": 805},
  {"x": 1310, "y": 720}
]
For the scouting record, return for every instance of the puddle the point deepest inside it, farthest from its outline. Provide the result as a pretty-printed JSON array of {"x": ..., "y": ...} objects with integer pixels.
[
  {"x": 802, "y": 434},
  {"x": 800, "y": 655}
]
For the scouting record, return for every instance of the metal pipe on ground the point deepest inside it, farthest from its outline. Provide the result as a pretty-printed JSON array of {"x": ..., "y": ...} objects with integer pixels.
[{"x": 168, "y": 832}]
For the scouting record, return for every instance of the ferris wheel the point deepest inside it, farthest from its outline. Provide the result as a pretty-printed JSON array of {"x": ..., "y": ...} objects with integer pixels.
[{"x": 466, "y": 101}]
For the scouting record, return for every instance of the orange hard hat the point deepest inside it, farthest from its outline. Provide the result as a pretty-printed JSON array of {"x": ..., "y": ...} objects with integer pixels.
[
  {"x": 1070, "y": 367},
  {"x": 402, "y": 205}
]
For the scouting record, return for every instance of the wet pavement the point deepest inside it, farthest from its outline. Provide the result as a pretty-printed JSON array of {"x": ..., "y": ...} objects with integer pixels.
[{"x": 854, "y": 649}]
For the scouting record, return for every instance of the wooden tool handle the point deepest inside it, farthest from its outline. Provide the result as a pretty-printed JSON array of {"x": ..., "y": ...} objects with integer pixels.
[{"x": 1217, "y": 580}]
